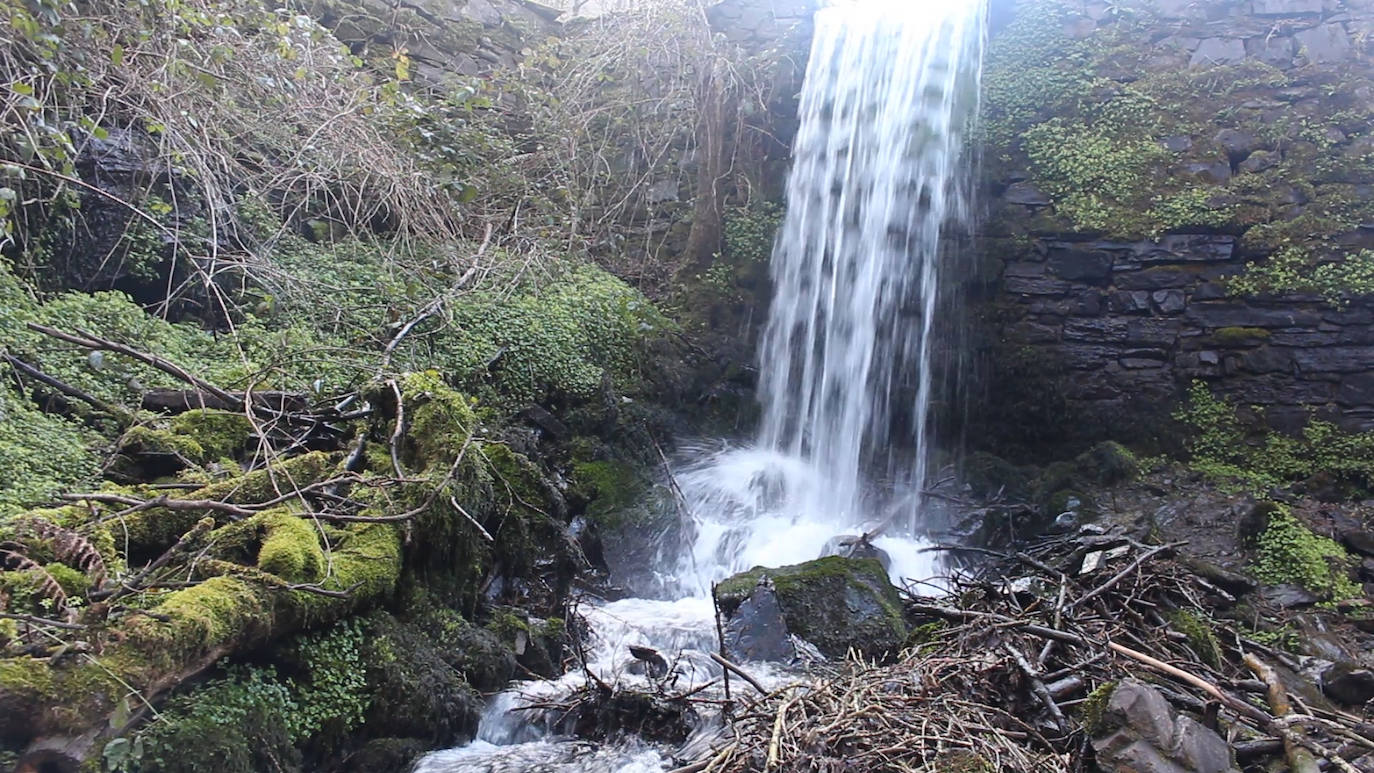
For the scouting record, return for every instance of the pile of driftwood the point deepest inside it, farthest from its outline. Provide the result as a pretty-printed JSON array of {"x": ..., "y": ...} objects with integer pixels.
[{"x": 1016, "y": 675}]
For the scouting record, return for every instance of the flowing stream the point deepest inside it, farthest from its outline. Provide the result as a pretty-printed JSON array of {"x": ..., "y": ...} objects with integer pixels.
[{"x": 879, "y": 180}]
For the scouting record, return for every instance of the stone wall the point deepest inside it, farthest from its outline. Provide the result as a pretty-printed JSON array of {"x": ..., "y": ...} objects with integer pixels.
[
  {"x": 1192, "y": 139},
  {"x": 761, "y": 23},
  {"x": 444, "y": 38}
]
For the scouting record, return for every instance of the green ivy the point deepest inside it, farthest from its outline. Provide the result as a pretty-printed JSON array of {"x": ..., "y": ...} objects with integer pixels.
[
  {"x": 242, "y": 722},
  {"x": 1291, "y": 270},
  {"x": 749, "y": 232},
  {"x": 1224, "y": 447},
  {"x": 332, "y": 695},
  {"x": 1289, "y": 552}
]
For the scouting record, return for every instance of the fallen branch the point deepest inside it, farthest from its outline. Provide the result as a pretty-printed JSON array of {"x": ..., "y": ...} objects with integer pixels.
[
  {"x": 1299, "y": 758},
  {"x": 88, "y": 341},
  {"x": 741, "y": 673},
  {"x": 70, "y": 391}
]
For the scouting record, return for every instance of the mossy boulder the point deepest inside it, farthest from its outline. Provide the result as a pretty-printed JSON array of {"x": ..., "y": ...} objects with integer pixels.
[
  {"x": 835, "y": 603},
  {"x": 1108, "y": 463},
  {"x": 987, "y": 474},
  {"x": 386, "y": 755},
  {"x": 416, "y": 694}
]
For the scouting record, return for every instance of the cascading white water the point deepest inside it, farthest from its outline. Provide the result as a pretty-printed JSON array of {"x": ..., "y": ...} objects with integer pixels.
[
  {"x": 878, "y": 176},
  {"x": 878, "y": 180}
]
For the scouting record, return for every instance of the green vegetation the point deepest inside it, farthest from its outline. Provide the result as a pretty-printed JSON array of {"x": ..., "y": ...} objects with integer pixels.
[
  {"x": 1225, "y": 447},
  {"x": 1239, "y": 336},
  {"x": 1289, "y": 552},
  {"x": 1093, "y": 710},
  {"x": 1203, "y": 640},
  {"x": 1291, "y": 270},
  {"x": 749, "y": 233},
  {"x": 1128, "y": 143}
]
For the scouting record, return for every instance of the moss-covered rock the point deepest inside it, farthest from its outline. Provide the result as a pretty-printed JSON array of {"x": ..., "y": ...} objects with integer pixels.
[
  {"x": 386, "y": 755},
  {"x": 836, "y": 603},
  {"x": 1107, "y": 463},
  {"x": 538, "y": 643},
  {"x": 415, "y": 693},
  {"x": 987, "y": 474}
]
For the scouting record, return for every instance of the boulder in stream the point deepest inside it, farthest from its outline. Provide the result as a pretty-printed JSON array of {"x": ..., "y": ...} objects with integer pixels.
[{"x": 834, "y": 603}]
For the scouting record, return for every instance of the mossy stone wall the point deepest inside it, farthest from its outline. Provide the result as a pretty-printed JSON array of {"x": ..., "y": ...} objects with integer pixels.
[{"x": 1178, "y": 191}]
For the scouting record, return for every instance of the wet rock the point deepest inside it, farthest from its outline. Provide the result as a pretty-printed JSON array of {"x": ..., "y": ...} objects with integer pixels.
[
  {"x": 1348, "y": 683},
  {"x": 1237, "y": 144},
  {"x": 1198, "y": 748},
  {"x": 1107, "y": 463},
  {"x": 1026, "y": 194},
  {"x": 1081, "y": 265},
  {"x": 1169, "y": 301},
  {"x": 757, "y": 631},
  {"x": 1139, "y": 732},
  {"x": 1287, "y": 7},
  {"x": 1359, "y": 541},
  {"x": 416, "y": 694},
  {"x": 1216, "y": 172},
  {"x": 1289, "y": 596},
  {"x": 386, "y": 755},
  {"x": 1232, "y": 582},
  {"x": 1275, "y": 51},
  {"x": 1213, "y": 51},
  {"x": 856, "y": 546},
  {"x": 834, "y": 603},
  {"x": 1259, "y": 161},
  {"x": 1326, "y": 43},
  {"x": 655, "y": 665}
]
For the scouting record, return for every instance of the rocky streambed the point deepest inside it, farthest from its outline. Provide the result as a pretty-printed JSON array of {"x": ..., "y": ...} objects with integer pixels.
[{"x": 1146, "y": 630}]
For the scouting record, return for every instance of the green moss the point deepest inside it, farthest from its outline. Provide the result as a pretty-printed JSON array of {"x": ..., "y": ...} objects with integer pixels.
[
  {"x": 1200, "y": 635},
  {"x": 1239, "y": 336},
  {"x": 832, "y": 602},
  {"x": 209, "y": 615},
  {"x": 144, "y": 439},
  {"x": 1289, "y": 552},
  {"x": 441, "y": 421},
  {"x": 987, "y": 474},
  {"x": 220, "y": 434},
  {"x": 291, "y": 549},
  {"x": 1108, "y": 462},
  {"x": 1092, "y": 711},
  {"x": 617, "y": 492},
  {"x": 74, "y": 582},
  {"x": 517, "y": 474},
  {"x": 157, "y": 527}
]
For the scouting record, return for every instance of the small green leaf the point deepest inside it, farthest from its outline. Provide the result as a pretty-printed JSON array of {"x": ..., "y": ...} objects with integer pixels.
[
  {"x": 19, "y": 87},
  {"x": 117, "y": 55}
]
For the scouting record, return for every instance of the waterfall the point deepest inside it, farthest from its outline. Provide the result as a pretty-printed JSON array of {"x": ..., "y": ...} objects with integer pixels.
[
  {"x": 877, "y": 179},
  {"x": 879, "y": 183}
]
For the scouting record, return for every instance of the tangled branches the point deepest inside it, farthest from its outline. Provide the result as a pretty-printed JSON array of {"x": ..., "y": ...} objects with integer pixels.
[{"x": 1018, "y": 675}]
